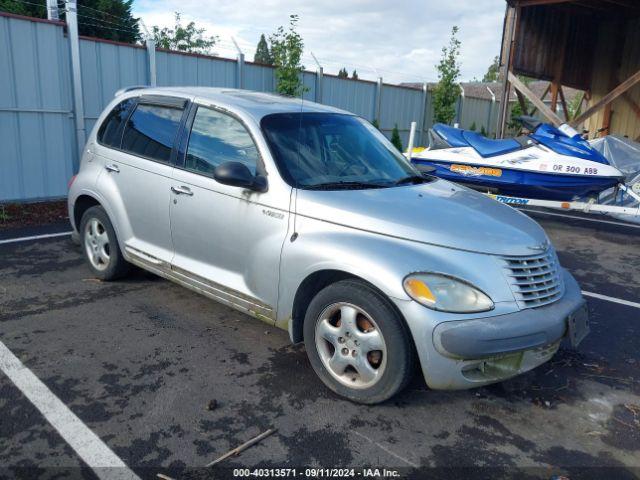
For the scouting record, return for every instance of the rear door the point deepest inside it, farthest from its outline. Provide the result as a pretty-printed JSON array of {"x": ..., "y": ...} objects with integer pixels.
[{"x": 137, "y": 175}]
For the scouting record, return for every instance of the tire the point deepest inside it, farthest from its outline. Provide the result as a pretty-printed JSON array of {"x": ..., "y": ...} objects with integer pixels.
[
  {"x": 100, "y": 245},
  {"x": 340, "y": 328}
]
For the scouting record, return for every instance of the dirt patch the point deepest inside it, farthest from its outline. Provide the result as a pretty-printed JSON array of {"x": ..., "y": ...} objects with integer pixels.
[{"x": 14, "y": 215}]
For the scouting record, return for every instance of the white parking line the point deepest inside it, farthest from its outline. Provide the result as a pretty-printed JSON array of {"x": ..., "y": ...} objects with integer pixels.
[
  {"x": 34, "y": 237},
  {"x": 611, "y": 299},
  {"x": 597, "y": 220},
  {"x": 84, "y": 442}
]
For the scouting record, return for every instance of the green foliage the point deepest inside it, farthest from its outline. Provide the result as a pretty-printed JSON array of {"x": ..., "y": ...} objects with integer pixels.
[
  {"x": 4, "y": 216},
  {"x": 483, "y": 131},
  {"x": 575, "y": 105},
  {"x": 108, "y": 19},
  {"x": 185, "y": 38},
  {"x": 286, "y": 49},
  {"x": 473, "y": 127},
  {"x": 343, "y": 73},
  {"x": 263, "y": 54},
  {"x": 493, "y": 72},
  {"x": 37, "y": 8},
  {"x": 395, "y": 138},
  {"x": 446, "y": 92},
  {"x": 354, "y": 75},
  {"x": 375, "y": 123}
]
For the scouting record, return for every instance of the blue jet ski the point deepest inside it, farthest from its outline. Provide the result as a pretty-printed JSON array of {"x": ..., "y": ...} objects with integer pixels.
[{"x": 550, "y": 163}]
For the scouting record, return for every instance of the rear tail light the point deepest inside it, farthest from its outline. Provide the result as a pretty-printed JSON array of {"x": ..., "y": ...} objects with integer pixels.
[{"x": 71, "y": 180}]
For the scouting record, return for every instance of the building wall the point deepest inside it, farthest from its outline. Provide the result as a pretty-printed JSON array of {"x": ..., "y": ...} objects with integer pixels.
[{"x": 623, "y": 59}]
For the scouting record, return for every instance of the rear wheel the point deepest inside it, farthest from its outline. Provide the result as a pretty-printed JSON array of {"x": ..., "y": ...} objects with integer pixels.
[
  {"x": 357, "y": 343},
  {"x": 100, "y": 245}
]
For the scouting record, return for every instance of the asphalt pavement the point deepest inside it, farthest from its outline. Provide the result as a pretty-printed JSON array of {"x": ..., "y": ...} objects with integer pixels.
[{"x": 170, "y": 380}]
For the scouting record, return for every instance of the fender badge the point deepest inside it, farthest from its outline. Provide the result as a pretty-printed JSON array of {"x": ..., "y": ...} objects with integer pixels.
[{"x": 271, "y": 213}]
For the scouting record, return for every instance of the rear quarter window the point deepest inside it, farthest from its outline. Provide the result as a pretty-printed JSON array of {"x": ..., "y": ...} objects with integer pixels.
[{"x": 110, "y": 132}]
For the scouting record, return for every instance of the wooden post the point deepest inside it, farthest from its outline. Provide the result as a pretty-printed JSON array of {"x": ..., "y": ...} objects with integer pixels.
[
  {"x": 544, "y": 94},
  {"x": 564, "y": 104},
  {"x": 546, "y": 111},
  {"x": 608, "y": 98},
  {"x": 509, "y": 30}
]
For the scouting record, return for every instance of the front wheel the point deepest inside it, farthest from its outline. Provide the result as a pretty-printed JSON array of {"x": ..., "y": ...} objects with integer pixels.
[
  {"x": 100, "y": 245},
  {"x": 357, "y": 343}
]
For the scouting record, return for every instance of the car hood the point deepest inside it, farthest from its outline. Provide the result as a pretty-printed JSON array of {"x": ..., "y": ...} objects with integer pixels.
[{"x": 439, "y": 213}]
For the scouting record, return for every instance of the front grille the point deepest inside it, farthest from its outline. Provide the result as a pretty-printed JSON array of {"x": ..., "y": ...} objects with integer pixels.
[{"x": 535, "y": 280}]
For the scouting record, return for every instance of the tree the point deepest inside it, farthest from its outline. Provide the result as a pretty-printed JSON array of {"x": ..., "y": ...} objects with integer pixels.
[
  {"x": 108, "y": 19},
  {"x": 375, "y": 123},
  {"x": 185, "y": 38},
  {"x": 493, "y": 72},
  {"x": 343, "y": 73},
  {"x": 446, "y": 92},
  {"x": 354, "y": 75},
  {"x": 263, "y": 55},
  {"x": 395, "y": 138},
  {"x": 286, "y": 49}
]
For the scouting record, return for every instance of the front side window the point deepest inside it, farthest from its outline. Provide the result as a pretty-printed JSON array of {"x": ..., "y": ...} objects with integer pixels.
[
  {"x": 151, "y": 131},
  {"x": 330, "y": 150},
  {"x": 110, "y": 132},
  {"x": 217, "y": 138}
]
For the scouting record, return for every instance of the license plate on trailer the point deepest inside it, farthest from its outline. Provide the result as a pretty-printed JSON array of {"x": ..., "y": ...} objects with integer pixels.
[{"x": 578, "y": 325}]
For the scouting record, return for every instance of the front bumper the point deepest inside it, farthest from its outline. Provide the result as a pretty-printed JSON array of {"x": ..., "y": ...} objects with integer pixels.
[{"x": 469, "y": 353}]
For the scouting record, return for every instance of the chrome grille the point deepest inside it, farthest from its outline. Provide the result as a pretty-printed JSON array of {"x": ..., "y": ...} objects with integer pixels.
[{"x": 535, "y": 280}]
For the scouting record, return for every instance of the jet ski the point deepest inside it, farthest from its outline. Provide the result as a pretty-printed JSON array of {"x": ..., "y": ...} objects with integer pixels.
[{"x": 549, "y": 163}]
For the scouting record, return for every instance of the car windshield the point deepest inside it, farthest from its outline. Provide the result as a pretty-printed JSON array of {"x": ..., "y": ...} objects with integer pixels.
[{"x": 334, "y": 151}]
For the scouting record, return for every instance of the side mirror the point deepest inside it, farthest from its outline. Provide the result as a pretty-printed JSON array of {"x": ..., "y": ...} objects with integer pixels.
[{"x": 238, "y": 174}]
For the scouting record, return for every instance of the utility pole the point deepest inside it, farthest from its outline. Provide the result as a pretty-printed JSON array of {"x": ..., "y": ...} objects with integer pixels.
[{"x": 74, "y": 47}]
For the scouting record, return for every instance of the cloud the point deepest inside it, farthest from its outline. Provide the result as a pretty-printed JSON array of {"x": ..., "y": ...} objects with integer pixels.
[{"x": 399, "y": 40}]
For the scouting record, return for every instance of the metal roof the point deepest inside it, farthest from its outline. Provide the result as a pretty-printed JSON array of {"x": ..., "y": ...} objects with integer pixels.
[{"x": 253, "y": 104}]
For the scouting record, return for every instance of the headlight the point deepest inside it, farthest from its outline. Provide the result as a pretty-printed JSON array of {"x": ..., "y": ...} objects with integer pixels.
[{"x": 447, "y": 294}]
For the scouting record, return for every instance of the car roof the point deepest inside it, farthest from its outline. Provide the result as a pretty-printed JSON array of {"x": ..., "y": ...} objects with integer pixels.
[{"x": 254, "y": 104}]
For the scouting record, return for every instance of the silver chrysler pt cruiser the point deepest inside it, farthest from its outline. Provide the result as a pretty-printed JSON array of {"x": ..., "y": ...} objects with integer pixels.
[{"x": 306, "y": 217}]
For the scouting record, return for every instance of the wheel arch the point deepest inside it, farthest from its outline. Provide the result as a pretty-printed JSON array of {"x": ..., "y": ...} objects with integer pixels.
[
  {"x": 317, "y": 281},
  {"x": 83, "y": 203}
]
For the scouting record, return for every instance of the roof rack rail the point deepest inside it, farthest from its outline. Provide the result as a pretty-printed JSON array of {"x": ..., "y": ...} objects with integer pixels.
[{"x": 128, "y": 89}]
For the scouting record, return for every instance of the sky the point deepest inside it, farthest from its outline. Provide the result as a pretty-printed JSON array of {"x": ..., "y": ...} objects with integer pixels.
[{"x": 398, "y": 40}]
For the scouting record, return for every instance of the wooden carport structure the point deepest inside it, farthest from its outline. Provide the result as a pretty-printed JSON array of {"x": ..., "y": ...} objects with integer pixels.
[{"x": 591, "y": 45}]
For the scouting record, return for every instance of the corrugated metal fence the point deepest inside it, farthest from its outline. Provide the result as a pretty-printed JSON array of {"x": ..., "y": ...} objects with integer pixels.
[{"x": 37, "y": 134}]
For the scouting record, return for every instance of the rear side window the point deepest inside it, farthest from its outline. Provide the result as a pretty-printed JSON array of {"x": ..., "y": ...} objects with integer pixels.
[
  {"x": 151, "y": 131},
  {"x": 110, "y": 132},
  {"x": 217, "y": 138}
]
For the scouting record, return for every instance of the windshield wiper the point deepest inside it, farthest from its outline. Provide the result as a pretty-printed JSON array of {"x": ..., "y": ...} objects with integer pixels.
[
  {"x": 343, "y": 185},
  {"x": 412, "y": 179}
]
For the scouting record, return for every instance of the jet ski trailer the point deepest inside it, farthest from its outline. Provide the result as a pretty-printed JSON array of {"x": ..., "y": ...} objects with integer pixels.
[{"x": 551, "y": 167}]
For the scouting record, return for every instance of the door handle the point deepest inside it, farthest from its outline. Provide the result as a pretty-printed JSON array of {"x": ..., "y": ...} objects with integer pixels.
[
  {"x": 182, "y": 190},
  {"x": 112, "y": 168}
]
